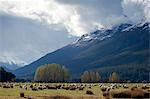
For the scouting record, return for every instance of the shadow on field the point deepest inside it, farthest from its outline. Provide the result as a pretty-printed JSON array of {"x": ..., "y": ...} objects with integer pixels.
[
  {"x": 56, "y": 97},
  {"x": 71, "y": 97}
]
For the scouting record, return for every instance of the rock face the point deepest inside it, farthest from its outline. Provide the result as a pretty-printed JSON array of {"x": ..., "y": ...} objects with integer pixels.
[{"x": 123, "y": 49}]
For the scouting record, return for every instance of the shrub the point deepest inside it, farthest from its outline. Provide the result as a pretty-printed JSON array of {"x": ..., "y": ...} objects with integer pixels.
[
  {"x": 125, "y": 94},
  {"x": 21, "y": 94}
]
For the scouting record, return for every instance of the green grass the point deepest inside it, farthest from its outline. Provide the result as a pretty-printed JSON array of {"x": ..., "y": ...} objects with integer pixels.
[{"x": 13, "y": 93}]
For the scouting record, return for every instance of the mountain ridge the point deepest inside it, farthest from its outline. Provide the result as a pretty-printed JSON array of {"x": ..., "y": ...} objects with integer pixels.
[
  {"x": 9, "y": 66},
  {"x": 127, "y": 45}
]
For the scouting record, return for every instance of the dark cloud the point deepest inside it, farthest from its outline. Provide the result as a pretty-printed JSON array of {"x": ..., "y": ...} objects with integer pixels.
[
  {"x": 45, "y": 23},
  {"x": 25, "y": 40}
]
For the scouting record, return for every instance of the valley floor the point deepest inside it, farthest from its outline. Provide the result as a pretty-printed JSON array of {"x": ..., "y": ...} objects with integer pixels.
[{"x": 73, "y": 90}]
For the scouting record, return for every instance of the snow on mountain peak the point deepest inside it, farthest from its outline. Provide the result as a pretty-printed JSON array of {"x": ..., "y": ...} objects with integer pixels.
[
  {"x": 100, "y": 35},
  {"x": 11, "y": 60}
]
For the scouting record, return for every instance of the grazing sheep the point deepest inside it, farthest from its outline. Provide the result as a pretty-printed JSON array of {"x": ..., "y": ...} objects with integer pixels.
[
  {"x": 31, "y": 86},
  {"x": 108, "y": 89},
  {"x": 20, "y": 86},
  {"x": 125, "y": 86},
  {"x": 106, "y": 95},
  {"x": 100, "y": 85},
  {"x": 6, "y": 86},
  {"x": 103, "y": 89},
  {"x": 72, "y": 87},
  {"x": 81, "y": 88},
  {"x": 89, "y": 92},
  {"x": 58, "y": 86},
  {"x": 90, "y": 87},
  {"x": 65, "y": 87},
  {"x": 51, "y": 87},
  {"x": 39, "y": 88},
  {"x": 25, "y": 87},
  {"x": 145, "y": 87},
  {"x": 134, "y": 88},
  {"x": 34, "y": 89}
]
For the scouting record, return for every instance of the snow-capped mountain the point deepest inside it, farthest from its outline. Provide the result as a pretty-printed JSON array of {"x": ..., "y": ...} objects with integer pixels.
[
  {"x": 100, "y": 35},
  {"x": 10, "y": 67},
  {"x": 123, "y": 49},
  {"x": 11, "y": 62}
]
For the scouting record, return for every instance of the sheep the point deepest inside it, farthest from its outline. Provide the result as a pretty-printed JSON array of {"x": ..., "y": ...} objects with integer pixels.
[
  {"x": 89, "y": 92},
  {"x": 125, "y": 86},
  {"x": 20, "y": 86},
  {"x": 34, "y": 89},
  {"x": 65, "y": 87},
  {"x": 145, "y": 87},
  {"x": 103, "y": 89},
  {"x": 81, "y": 88},
  {"x": 6, "y": 86},
  {"x": 133, "y": 88},
  {"x": 51, "y": 87},
  {"x": 72, "y": 87},
  {"x": 25, "y": 87},
  {"x": 31, "y": 86},
  {"x": 106, "y": 95}
]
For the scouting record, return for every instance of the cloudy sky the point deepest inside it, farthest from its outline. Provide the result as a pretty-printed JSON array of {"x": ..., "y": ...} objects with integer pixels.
[{"x": 30, "y": 29}]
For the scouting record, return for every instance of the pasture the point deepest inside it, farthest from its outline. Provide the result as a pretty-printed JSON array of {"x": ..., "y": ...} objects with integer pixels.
[{"x": 74, "y": 90}]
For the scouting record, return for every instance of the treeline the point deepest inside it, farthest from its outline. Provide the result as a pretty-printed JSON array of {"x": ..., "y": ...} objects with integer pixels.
[
  {"x": 6, "y": 76},
  {"x": 59, "y": 73},
  {"x": 91, "y": 76}
]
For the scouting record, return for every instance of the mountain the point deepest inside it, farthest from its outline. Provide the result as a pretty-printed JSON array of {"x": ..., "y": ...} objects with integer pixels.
[
  {"x": 6, "y": 69},
  {"x": 124, "y": 49},
  {"x": 9, "y": 66}
]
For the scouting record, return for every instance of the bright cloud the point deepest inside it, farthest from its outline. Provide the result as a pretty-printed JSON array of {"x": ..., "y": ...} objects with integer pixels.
[
  {"x": 49, "y": 20},
  {"x": 23, "y": 40},
  {"x": 79, "y": 16}
]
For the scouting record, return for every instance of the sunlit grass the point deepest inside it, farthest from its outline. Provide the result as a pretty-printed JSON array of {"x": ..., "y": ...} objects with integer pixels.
[{"x": 10, "y": 93}]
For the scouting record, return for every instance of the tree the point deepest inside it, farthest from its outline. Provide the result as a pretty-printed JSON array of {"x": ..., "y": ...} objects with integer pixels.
[
  {"x": 85, "y": 77},
  {"x": 98, "y": 78},
  {"x": 40, "y": 76},
  {"x": 65, "y": 73},
  {"x": 114, "y": 77},
  {"x": 90, "y": 76},
  {"x": 6, "y": 76},
  {"x": 51, "y": 73}
]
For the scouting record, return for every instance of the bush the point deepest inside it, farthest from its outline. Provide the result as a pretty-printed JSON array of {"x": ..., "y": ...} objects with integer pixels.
[
  {"x": 21, "y": 94},
  {"x": 125, "y": 94}
]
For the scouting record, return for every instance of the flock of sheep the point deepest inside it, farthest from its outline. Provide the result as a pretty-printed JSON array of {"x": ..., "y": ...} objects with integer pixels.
[{"x": 108, "y": 90}]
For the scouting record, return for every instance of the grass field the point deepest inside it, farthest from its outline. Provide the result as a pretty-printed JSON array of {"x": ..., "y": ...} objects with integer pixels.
[{"x": 74, "y": 91}]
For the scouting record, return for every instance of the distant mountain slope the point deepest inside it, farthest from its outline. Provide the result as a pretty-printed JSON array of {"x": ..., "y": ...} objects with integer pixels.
[
  {"x": 121, "y": 46},
  {"x": 8, "y": 70},
  {"x": 9, "y": 66}
]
